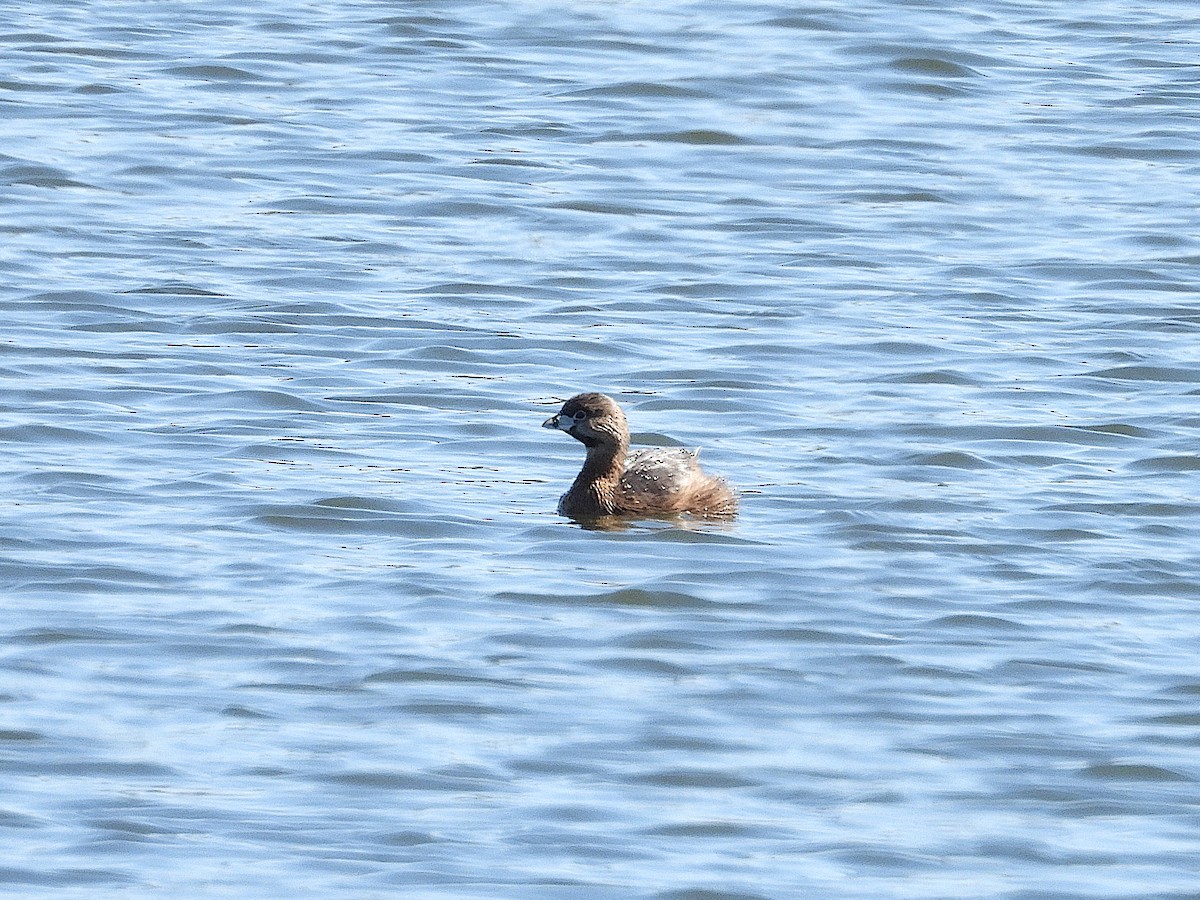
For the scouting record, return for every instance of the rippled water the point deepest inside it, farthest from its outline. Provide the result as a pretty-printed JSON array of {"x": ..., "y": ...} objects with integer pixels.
[{"x": 288, "y": 290}]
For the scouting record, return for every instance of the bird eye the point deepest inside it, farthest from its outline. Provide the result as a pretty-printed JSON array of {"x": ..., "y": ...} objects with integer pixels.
[{"x": 579, "y": 416}]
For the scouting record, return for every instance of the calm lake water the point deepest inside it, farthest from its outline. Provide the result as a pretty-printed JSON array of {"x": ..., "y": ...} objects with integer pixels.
[{"x": 287, "y": 292}]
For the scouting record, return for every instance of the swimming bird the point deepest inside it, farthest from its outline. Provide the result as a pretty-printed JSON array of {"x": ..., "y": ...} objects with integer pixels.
[{"x": 615, "y": 482}]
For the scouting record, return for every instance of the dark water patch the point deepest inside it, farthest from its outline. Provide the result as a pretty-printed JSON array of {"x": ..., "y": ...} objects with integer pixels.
[
  {"x": 77, "y": 635},
  {"x": 901, "y": 348},
  {"x": 950, "y": 459},
  {"x": 456, "y": 209},
  {"x": 129, "y": 325},
  {"x": 817, "y": 636},
  {"x": 1100, "y": 436},
  {"x": 785, "y": 226},
  {"x": 315, "y": 519},
  {"x": 692, "y": 743},
  {"x": 175, "y": 289},
  {"x": 931, "y": 66},
  {"x": 694, "y": 778},
  {"x": 98, "y": 89},
  {"x": 1187, "y": 689},
  {"x": 79, "y": 300},
  {"x": 1183, "y": 720},
  {"x": 100, "y": 581},
  {"x": 899, "y": 196},
  {"x": 1115, "y": 428},
  {"x": 976, "y": 622},
  {"x": 1137, "y": 152},
  {"x": 712, "y": 290},
  {"x": 1165, "y": 374},
  {"x": 641, "y": 90},
  {"x": 100, "y": 769},
  {"x": 39, "y": 176},
  {"x": 1023, "y": 667},
  {"x": 938, "y": 673},
  {"x": 1148, "y": 586},
  {"x": 27, "y": 87},
  {"x": 1032, "y": 460},
  {"x": 1146, "y": 509},
  {"x": 705, "y": 893},
  {"x": 1134, "y": 772},
  {"x": 9, "y": 819},
  {"x": 438, "y": 677},
  {"x": 65, "y": 877},
  {"x": 365, "y": 505},
  {"x": 698, "y": 531},
  {"x": 636, "y": 598},
  {"x": 807, "y": 22},
  {"x": 450, "y": 709},
  {"x": 1166, "y": 464},
  {"x": 934, "y": 90},
  {"x": 52, "y": 435},
  {"x": 933, "y": 377},
  {"x": 882, "y": 859},
  {"x": 322, "y": 205},
  {"x": 240, "y": 711},
  {"x": 663, "y": 640},
  {"x": 133, "y": 829},
  {"x": 231, "y": 327},
  {"x": 555, "y": 767},
  {"x": 20, "y": 736},
  {"x": 510, "y": 161},
  {"x": 643, "y": 666},
  {"x": 607, "y": 208},
  {"x": 391, "y": 155},
  {"x": 408, "y": 839},
  {"x": 698, "y": 137},
  {"x": 250, "y": 629},
  {"x": 259, "y": 400},
  {"x": 536, "y": 641},
  {"x": 471, "y": 289},
  {"x": 925, "y": 505},
  {"x": 31, "y": 37},
  {"x": 1033, "y": 851},
  {"x": 451, "y": 779},
  {"x": 216, "y": 73},
  {"x": 706, "y": 830},
  {"x": 1063, "y": 535},
  {"x": 114, "y": 53},
  {"x": 301, "y": 688}
]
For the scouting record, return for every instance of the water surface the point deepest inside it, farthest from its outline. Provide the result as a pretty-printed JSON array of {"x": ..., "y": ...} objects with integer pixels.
[{"x": 289, "y": 289}]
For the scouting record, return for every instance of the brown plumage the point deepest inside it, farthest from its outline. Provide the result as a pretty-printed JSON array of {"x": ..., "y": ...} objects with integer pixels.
[{"x": 615, "y": 482}]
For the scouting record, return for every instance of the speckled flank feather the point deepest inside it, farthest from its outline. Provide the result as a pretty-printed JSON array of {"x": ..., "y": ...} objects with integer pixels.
[
  {"x": 672, "y": 481},
  {"x": 644, "y": 482}
]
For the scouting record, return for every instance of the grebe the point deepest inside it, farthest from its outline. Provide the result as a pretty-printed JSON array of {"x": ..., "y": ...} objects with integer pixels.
[{"x": 615, "y": 482}]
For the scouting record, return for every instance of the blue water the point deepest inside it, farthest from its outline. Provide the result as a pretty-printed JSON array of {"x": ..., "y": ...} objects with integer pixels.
[{"x": 287, "y": 291}]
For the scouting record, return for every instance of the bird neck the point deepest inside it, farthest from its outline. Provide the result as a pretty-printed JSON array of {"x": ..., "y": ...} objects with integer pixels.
[{"x": 600, "y": 476}]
